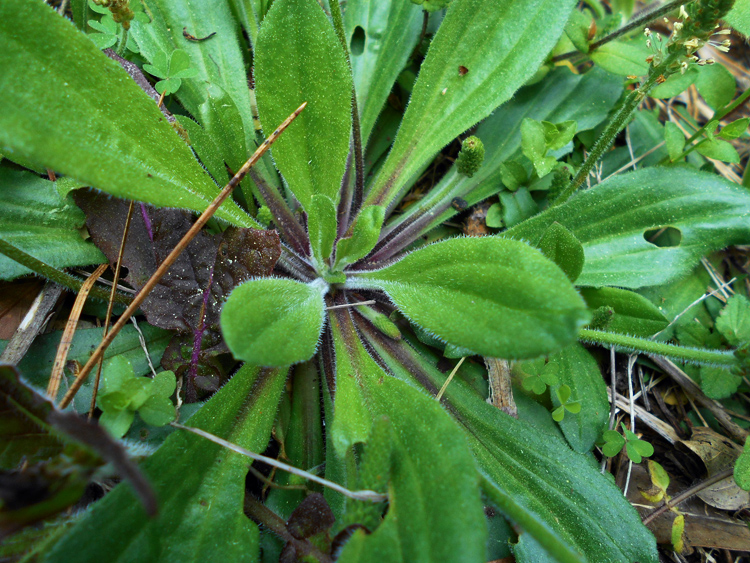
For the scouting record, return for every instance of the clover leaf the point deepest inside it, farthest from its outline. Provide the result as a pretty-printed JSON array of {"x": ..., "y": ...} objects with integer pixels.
[
  {"x": 563, "y": 394},
  {"x": 635, "y": 448},
  {"x": 123, "y": 394},
  {"x": 171, "y": 70},
  {"x": 107, "y": 29},
  {"x": 538, "y": 376}
]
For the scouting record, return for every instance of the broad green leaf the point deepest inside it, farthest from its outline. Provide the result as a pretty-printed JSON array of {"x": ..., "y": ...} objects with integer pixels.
[
  {"x": 37, "y": 220},
  {"x": 501, "y": 47},
  {"x": 434, "y": 512},
  {"x": 573, "y": 508},
  {"x": 718, "y": 382},
  {"x": 273, "y": 322},
  {"x": 622, "y": 59},
  {"x": 612, "y": 218},
  {"x": 675, "y": 84},
  {"x": 674, "y": 139},
  {"x": 517, "y": 206},
  {"x": 534, "y": 145},
  {"x": 634, "y": 314},
  {"x": 739, "y": 17},
  {"x": 580, "y": 372},
  {"x": 128, "y": 149},
  {"x": 742, "y": 468},
  {"x": 734, "y": 320},
  {"x": 718, "y": 150},
  {"x": 735, "y": 129},
  {"x": 716, "y": 85},
  {"x": 364, "y": 236},
  {"x": 499, "y": 299},
  {"x": 247, "y": 13},
  {"x": 299, "y": 59},
  {"x": 205, "y": 147},
  {"x": 382, "y": 36},
  {"x": 562, "y": 247},
  {"x": 200, "y": 486},
  {"x": 321, "y": 224},
  {"x": 561, "y": 96}
]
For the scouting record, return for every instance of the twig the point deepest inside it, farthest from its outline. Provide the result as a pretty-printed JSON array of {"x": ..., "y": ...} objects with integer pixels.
[
  {"x": 70, "y": 328},
  {"x": 370, "y": 496},
  {"x": 110, "y": 304},
  {"x": 450, "y": 378},
  {"x": 170, "y": 259},
  {"x": 345, "y": 305},
  {"x": 687, "y": 493}
]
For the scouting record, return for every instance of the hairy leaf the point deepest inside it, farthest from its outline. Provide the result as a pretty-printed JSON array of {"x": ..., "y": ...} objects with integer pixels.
[
  {"x": 612, "y": 219},
  {"x": 562, "y": 247},
  {"x": 37, "y": 220},
  {"x": 273, "y": 322},
  {"x": 200, "y": 486},
  {"x": 500, "y": 46},
  {"x": 432, "y": 477},
  {"x": 634, "y": 314},
  {"x": 299, "y": 59},
  {"x": 500, "y": 300},
  {"x": 129, "y": 149}
]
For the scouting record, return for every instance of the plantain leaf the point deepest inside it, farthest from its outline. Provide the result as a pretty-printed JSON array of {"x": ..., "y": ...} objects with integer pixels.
[
  {"x": 499, "y": 300},
  {"x": 37, "y": 220},
  {"x": 500, "y": 46},
  {"x": 123, "y": 144},
  {"x": 562, "y": 247},
  {"x": 432, "y": 476},
  {"x": 613, "y": 219},
  {"x": 634, "y": 314},
  {"x": 299, "y": 59},
  {"x": 199, "y": 484},
  {"x": 555, "y": 494},
  {"x": 273, "y": 322},
  {"x": 381, "y": 37}
]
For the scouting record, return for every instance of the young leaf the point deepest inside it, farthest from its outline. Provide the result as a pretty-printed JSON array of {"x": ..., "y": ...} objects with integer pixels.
[
  {"x": 613, "y": 443},
  {"x": 674, "y": 139},
  {"x": 718, "y": 382},
  {"x": 610, "y": 221},
  {"x": 365, "y": 232},
  {"x": 735, "y": 129},
  {"x": 38, "y": 221},
  {"x": 562, "y": 247},
  {"x": 321, "y": 224},
  {"x": 716, "y": 85},
  {"x": 718, "y": 150},
  {"x": 299, "y": 59},
  {"x": 500, "y": 48},
  {"x": 734, "y": 320},
  {"x": 142, "y": 158},
  {"x": 497, "y": 297},
  {"x": 742, "y": 468},
  {"x": 193, "y": 476},
  {"x": 633, "y": 313},
  {"x": 534, "y": 145},
  {"x": 273, "y": 322}
]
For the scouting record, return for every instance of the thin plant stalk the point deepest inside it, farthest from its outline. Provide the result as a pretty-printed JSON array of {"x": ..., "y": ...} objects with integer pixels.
[{"x": 170, "y": 259}]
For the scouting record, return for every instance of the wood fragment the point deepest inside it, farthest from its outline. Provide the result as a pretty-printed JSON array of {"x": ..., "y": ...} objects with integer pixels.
[{"x": 501, "y": 391}]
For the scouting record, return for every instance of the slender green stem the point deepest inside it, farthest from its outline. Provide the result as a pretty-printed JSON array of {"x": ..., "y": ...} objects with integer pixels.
[
  {"x": 635, "y": 344},
  {"x": 617, "y": 123},
  {"x": 639, "y": 21},
  {"x": 55, "y": 275},
  {"x": 120, "y": 50}
]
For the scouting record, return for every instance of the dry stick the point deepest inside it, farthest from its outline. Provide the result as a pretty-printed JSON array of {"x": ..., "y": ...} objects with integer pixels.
[
  {"x": 111, "y": 303},
  {"x": 70, "y": 328},
  {"x": 687, "y": 493},
  {"x": 450, "y": 378},
  {"x": 170, "y": 259}
]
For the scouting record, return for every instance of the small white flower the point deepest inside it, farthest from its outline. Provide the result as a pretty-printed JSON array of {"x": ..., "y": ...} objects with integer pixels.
[{"x": 683, "y": 13}]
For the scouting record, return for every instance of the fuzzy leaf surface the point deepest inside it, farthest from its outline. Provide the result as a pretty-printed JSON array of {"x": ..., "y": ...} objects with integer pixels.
[
  {"x": 500, "y": 300},
  {"x": 432, "y": 475},
  {"x": 634, "y": 314},
  {"x": 611, "y": 219},
  {"x": 500, "y": 45},
  {"x": 200, "y": 486},
  {"x": 37, "y": 220},
  {"x": 299, "y": 59},
  {"x": 273, "y": 322},
  {"x": 129, "y": 149}
]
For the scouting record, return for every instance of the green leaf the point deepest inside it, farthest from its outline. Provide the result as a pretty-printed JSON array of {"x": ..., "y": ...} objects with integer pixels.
[
  {"x": 499, "y": 298},
  {"x": 718, "y": 382},
  {"x": 562, "y": 247},
  {"x": 557, "y": 135},
  {"x": 549, "y": 485},
  {"x": 675, "y": 84},
  {"x": 494, "y": 218},
  {"x": 299, "y": 59},
  {"x": 634, "y": 314},
  {"x": 638, "y": 449},
  {"x": 613, "y": 443},
  {"x": 192, "y": 476},
  {"x": 577, "y": 30},
  {"x": 742, "y": 468},
  {"x": 534, "y": 145},
  {"x": 365, "y": 233},
  {"x": 659, "y": 477},
  {"x": 142, "y": 158},
  {"x": 718, "y": 150},
  {"x": 38, "y": 221},
  {"x": 739, "y": 17},
  {"x": 117, "y": 422},
  {"x": 716, "y": 85},
  {"x": 382, "y": 36},
  {"x": 734, "y": 320},
  {"x": 164, "y": 384},
  {"x": 157, "y": 411},
  {"x": 321, "y": 224},
  {"x": 674, "y": 138},
  {"x": 612, "y": 218},
  {"x": 517, "y": 206},
  {"x": 622, "y": 59},
  {"x": 500, "y": 46},
  {"x": 432, "y": 475},
  {"x": 260, "y": 316},
  {"x": 735, "y": 129},
  {"x": 579, "y": 372}
]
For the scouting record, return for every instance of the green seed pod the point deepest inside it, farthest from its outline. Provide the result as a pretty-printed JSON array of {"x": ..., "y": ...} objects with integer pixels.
[
  {"x": 600, "y": 317},
  {"x": 432, "y": 5},
  {"x": 471, "y": 156},
  {"x": 703, "y": 17}
]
